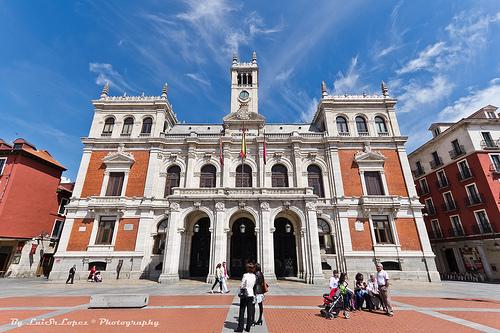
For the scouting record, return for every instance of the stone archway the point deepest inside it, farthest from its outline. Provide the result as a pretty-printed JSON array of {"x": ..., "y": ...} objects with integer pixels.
[
  {"x": 285, "y": 248},
  {"x": 199, "y": 260},
  {"x": 243, "y": 248}
]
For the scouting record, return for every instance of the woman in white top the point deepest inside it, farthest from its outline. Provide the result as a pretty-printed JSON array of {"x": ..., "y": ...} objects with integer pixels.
[
  {"x": 246, "y": 301},
  {"x": 218, "y": 278}
]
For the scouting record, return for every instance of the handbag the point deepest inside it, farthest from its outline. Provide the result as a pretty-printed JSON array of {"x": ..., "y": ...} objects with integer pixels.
[
  {"x": 243, "y": 293},
  {"x": 265, "y": 287}
]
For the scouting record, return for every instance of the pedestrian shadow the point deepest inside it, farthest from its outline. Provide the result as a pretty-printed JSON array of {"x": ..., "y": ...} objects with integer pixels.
[{"x": 231, "y": 325}]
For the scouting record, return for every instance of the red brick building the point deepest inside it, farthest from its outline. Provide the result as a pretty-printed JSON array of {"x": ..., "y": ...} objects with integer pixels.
[
  {"x": 32, "y": 207},
  {"x": 457, "y": 177}
]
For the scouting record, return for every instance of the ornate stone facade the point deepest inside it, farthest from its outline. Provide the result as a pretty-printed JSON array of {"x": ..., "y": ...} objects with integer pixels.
[{"x": 336, "y": 193}]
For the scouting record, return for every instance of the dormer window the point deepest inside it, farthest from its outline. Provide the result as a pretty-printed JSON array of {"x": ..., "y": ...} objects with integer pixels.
[
  {"x": 437, "y": 131},
  {"x": 491, "y": 115}
]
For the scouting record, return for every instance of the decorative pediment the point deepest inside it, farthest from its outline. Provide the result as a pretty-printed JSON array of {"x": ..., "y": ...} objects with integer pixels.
[
  {"x": 119, "y": 157},
  {"x": 243, "y": 115},
  {"x": 369, "y": 156}
]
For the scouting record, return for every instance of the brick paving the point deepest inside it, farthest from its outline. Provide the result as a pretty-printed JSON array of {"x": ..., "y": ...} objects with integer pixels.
[{"x": 289, "y": 307}]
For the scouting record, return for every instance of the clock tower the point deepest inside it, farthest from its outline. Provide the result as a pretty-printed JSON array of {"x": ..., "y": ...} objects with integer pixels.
[{"x": 244, "y": 85}]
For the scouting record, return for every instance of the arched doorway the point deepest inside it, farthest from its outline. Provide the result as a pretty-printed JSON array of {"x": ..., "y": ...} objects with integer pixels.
[
  {"x": 243, "y": 246},
  {"x": 200, "y": 248},
  {"x": 285, "y": 249}
]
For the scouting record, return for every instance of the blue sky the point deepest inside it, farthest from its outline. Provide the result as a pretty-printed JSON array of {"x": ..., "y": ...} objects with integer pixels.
[{"x": 439, "y": 58}]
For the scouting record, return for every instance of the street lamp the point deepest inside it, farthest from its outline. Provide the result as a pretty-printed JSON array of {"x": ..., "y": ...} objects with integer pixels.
[
  {"x": 242, "y": 228},
  {"x": 196, "y": 227},
  {"x": 288, "y": 228}
]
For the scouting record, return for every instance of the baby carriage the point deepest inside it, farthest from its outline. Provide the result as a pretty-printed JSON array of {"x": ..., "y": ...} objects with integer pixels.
[{"x": 333, "y": 303}]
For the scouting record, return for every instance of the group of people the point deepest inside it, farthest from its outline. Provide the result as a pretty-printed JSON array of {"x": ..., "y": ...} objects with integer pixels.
[
  {"x": 221, "y": 277},
  {"x": 94, "y": 275},
  {"x": 252, "y": 289},
  {"x": 372, "y": 294}
]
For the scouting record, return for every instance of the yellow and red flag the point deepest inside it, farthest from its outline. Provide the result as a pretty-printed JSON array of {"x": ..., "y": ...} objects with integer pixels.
[{"x": 243, "y": 151}]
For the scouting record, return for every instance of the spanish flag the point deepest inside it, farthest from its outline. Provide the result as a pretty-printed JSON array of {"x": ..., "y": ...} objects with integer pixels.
[
  {"x": 243, "y": 152},
  {"x": 265, "y": 148}
]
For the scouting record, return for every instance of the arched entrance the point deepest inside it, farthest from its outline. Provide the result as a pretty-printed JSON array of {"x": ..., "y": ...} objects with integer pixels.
[
  {"x": 243, "y": 246},
  {"x": 200, "y": 248},
  {"x": 285, "y": 249}
]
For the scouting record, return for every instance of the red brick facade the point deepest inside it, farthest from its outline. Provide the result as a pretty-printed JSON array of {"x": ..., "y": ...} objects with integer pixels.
[
  {"x": 80, "y": 238},
  {"x": 125, "y": 239}
]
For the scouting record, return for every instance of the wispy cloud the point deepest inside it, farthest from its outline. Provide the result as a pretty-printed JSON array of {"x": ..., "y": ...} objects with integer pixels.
[
  {"x": 395, "y": 35},
  {"x": 310, "y": 110},
  {"x": 349, "y": 82},
  {"x": 106, "y": 73},
  {"x": 416, "y": 95},
  {"x": 198, "y": 78},
  {"x": 425, "y": 58},
  {"x": 475, "y": 100}
]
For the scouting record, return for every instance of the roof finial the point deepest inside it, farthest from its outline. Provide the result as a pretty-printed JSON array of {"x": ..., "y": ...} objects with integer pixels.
[
  {"x": 385, "y": 90},
  {"x": 165, "y": 90},
  {"x": 254, "y": 57},
  {"x": 235, "y": 58},
  {"x": 105, "y": 90},
  {"x": 323, "y": 89}
]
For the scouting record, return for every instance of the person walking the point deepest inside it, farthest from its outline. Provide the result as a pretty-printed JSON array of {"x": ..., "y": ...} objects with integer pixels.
[
  {"x": 218, "y": 278},
  {"x": 224, "y": 278},
  {"x": 260, "y": 290},
  {"x": 71, "y": 275},
  {"x": 383, "y": 288},
  {"x": 247, "y": 295}
]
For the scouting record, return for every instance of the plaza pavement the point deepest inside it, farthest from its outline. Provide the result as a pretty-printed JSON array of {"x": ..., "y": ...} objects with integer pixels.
[{"x": 186, "y": 306}]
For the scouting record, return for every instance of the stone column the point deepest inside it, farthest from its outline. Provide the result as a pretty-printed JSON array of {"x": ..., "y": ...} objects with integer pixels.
[
  {"x": 82, "y": 172},
  {"x": 267, "y": 259},
  {"x": 151, "y": 189},
  {"x": 484, "y": 261},
  {"x": 226, "y": 179},
  {"x": 459, "y": 260},
  {"x": 171, "y": 259},
  {"x": 306, "y": 262},
  {"x": 298, "y": 166},
  {"x": 189, "y": 177},
  {"x": 220, "y": 254},
  {"x": 312, "y": 231}
]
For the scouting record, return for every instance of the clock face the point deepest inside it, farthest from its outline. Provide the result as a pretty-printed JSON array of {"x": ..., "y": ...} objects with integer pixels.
[{"x": 244, "y": 95}]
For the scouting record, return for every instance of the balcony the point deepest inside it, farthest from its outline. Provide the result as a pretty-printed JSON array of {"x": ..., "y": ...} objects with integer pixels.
[
  {"x": 206, "y": 192},
  {"x": 455, "y": 153},
  {"x": 483, "y": 229},
  {"x": 495, "y": 169},
  {"x": 106, "y": 134},
  {"x": 363, "y": 133},
  {"x": 418, "y": 172},
  {"x": 431, "y": 211},
  {"x": 490, "y": 144},
  {"x": 383, "y": 133},
  {"x": 455, "y": 232},
  {"x": 423, "y": 191},
  {"x": 474, "y": 200},
  {"x": 442, "y": 183},
  {"x": 436, "y": 163},
  {"x": 464, "y": 174},
  {"x": 344, "y": 134},
  {"x": 449, "y": 206}
]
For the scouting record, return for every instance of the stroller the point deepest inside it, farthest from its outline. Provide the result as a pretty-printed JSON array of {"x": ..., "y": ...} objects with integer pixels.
[{"x": 333, "y": 303}]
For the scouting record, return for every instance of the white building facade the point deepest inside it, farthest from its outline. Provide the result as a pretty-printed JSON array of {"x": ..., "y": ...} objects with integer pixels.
[{"x": 162, "y": 200}]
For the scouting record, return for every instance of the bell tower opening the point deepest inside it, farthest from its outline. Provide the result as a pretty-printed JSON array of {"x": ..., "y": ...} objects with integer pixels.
[{"x": 244, "y": 85}]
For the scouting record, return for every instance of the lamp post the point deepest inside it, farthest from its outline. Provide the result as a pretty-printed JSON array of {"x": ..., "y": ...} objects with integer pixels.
[{"x": 242, "y": 228}]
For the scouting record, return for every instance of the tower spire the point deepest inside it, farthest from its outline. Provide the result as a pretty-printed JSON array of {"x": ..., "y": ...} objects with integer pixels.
[
  {"x": 235, "y": 58},
  {"x": 164, "y": 90},
  {"x": 323, "y": 89},
  {"x": 105, "y": 90},
  {"x": 385, "y": 90},
  {"x": 254, "y": 57}
]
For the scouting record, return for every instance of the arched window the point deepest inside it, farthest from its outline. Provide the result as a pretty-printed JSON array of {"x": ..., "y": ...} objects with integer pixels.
[
  {"x": 173, "y": 179},
  {"x": 279, "y": 176},
  {"x": 361, "y": 126},
  {"x": 315, "y": 180},
  {"x": 325, "y": 237},
  {"x": 160, "y": 237},
  {"x": 342, "y": 125},
  {"x": 243, "y": 176},
  {"x": 128, "y": 123},
  {"x": 207, "y": 176},
  {"x": 109, "y": 123},
  {"x": 147, "y": 124},
  {"x": 380, "y": 125}
]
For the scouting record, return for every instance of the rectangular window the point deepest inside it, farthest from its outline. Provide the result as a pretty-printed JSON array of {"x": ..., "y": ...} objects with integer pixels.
[
  {"x": 442, "y": 180},
  {"x": 382, "y": 230},
  {"x": 437, "y": 131},
  {"x": 424, "y": 186},
  {"x": 457, "y": 226},
  {"x": 436, "y": 160},
  {"x": 3, "y": 161},
  {"x": 457, "y": 150},
  {"x": 482, "y": 221},
  {"x": 473, "y": 195},
  {"x": 420, "y": 169},
  {"x": 105, "y": 230},
  {"x": 488, "y": 140},
  {"x": 449, "y": 202},
  {"x": 115, "y": 184},
  {"x": 494, "y": 158},
  {"x": 57, "y": 230},
  {"x": 465, "y": 172},
  {"x": 373, "y": 182},
  {"x": 429, "y": 205},
  {"x": 490, "y": 115},
  {"x": 436, "y": 229},
  {"x": 62, "y": 206}
]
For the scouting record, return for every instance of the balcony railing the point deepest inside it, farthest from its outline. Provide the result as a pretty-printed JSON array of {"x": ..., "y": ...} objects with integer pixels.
[
  {"x": 431, "y": 211},
  {"x": 474, "y": 200},
  {"x": 435, "y": 163},
  {"x": 363, "y": 133},
  {"x": 449, "y": 206},
  {"x": 455, "y": 232},
  {"x": 344, "y": 134},
  {"x": 418, "y": 172},
  {"x": 483, "y": 229},
  {"x": 106, "y": 134},
  {"x": 490, "y": 144},
  {"x": 465, "y": 173},
  {"x": 442, "y": 183},
  {"x": 383, "y": 133},
  {"x": 495, "y": 169},
  {"x": 457, "y": 152},
  {"x": 423, "y": 191}
]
